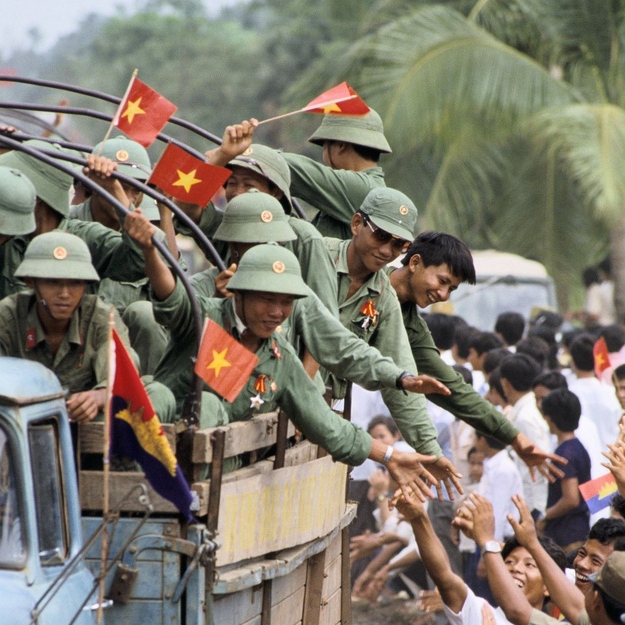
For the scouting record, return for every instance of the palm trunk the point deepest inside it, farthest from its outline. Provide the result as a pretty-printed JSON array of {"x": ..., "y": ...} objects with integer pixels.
[{"x": 617, "y": 256}]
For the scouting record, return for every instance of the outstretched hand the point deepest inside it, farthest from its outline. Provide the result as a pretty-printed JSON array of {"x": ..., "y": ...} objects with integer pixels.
[
  {"x": 446, "y": 474},
  {"x": 616, "y": 464},
  {"x": 424, "y": 384},
  {"x": 524, "y": 528},
  {"x": 236, "y": 139},
  {"x": 537, "y": 459},
  {"x": 411, "y": 476}
]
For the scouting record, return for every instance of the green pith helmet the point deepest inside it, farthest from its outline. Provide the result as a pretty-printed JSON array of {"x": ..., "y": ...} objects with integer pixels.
[
  {"x": 57, "y": 255},
  {"x": 367, "y": 130},
  {"x": 51, "y": 184},
  {"x": 268, "y": 163},
  {"x": 269, "y": 268},
  {"x": 254, "y": 217},
  {"x": 17, "y": 203},
  {"x": 132, "y": 158},
  {"x": 149, "y": 208},
  {"x": 391, "y": 210}
]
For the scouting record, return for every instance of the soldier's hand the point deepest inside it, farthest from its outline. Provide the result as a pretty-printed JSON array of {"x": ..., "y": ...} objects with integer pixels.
[
  {"x": 236, "y": 139},
  {"x": 221, "y": 282},
  {"x": 424, "y": 384},
  {"x": 536, "y": 458},
  {"x": 411, "y": 476},
  {"x": 445, "y": 472},
  {"x": 85, "y": 406},
  {"x": 140, "y": 229}
]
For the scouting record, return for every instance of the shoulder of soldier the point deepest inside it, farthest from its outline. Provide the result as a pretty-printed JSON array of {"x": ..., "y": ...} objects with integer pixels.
[{"x": 304, "y": 229}]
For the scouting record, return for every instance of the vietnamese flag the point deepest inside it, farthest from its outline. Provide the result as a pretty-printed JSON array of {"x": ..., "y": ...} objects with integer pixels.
[
  {"x": 222, "y": 362},
  {"x": 340, "y": 100},
  {"x": 598, "y": 493},
  {"x": 143, "y": 113},
  {"x": 602, "y": 357},
  {"x": 136, "y": 431},
  {"x": 187, "y": 178}
]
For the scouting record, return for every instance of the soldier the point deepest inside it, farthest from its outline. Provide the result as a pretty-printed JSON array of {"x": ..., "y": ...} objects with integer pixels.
[
  {"x": 62, "y": 328},
  {"x": 266, "y": 284}
]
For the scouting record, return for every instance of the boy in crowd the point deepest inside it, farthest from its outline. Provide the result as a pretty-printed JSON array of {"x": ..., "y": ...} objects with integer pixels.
[{"x": 509, "y": 327}]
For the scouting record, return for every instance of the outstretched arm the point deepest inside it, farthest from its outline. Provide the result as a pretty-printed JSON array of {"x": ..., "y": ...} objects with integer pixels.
[{"x": 536, "y": 458}]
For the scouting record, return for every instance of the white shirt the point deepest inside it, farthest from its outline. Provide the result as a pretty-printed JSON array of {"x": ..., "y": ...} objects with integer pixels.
[
  {"x": 526, "y": 417},
  {"x": 476, "y": 611}
]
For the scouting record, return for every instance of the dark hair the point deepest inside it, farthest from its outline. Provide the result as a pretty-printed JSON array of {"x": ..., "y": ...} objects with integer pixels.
[
  {"x": 607, "y": 531},
  {"x": 464, "y": 337},
  {"x": 520, "y": 370},
  {"x": 464, "y": 372},
  {"x": 440, "y": 248},
  {"x": 364, "y": 151},
  {"x": 484, "y": 342},
  {"x": 494, "y": 358},
  {"x": 443, "y": 330},
  {"x": 387, "y": 422},
  {"x": 618, "y": 504},
  {"x": 554, "y": 550},
  {"x": 545, "y": 333},
  {"x": 605, "y": 265},
  {"x": 491, "y": 441},
  {"x": 511, "y": 326},
  {"x": 570, "y": 335},
  {"x": 613, "y": 609},
  {"x": 614, "y": 336},
  {"x": 590, "y": 276},
  {"x": 551, "y": 380},
  {"x": 619, "y": 372},
  {"x": 563, "y": 408},
  {"x": 581, "y": 352},
  {"x": 536, "y": 348},
  {"x": 472, "y": 451},
  {"x": 494, "y": 381}
]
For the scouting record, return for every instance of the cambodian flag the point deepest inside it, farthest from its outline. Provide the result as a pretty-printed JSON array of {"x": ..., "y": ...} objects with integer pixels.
[
  {"x": 136, "y": 431},
  {"x": 598, "y": 493}
]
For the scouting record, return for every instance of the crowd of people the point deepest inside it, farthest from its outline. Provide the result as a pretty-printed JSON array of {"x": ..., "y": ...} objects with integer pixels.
[{"x": 471, "y": 418}]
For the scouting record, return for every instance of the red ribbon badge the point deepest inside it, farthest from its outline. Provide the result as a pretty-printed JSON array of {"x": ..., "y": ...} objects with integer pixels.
[
  {"x": 261, "y": 383},
  {"x": 30, "y": 338},
  {"x": 368, "y": 309}
]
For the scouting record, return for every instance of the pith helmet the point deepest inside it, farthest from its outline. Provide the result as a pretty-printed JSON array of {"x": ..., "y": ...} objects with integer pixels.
[
  {"x": 51, "y": 184},
  {"x": 391, "y": 210},
  {"x": 268, "y": 163},
  {"x": 57, "y": 255},
  {"x": 269, "y": 268},
  {"x": 149, "y": 208},
  {"x": 132, "y": 158},
  {"x": 367, "y": 131},
  {"x": 17, "y": 202},
  {"x": 254, "y": 217}
]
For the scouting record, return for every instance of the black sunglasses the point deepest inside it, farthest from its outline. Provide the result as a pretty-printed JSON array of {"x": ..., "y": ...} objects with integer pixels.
[{"x": 382, "y": 236}]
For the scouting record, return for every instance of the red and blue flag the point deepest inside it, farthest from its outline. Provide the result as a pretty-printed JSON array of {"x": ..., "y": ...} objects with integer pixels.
[{"x": 598, "y": 493}]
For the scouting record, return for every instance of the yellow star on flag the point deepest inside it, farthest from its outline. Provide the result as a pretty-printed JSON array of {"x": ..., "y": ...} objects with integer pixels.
[
  {"x": 186, "y": 180},
  {"x": 219, "y": 362},
  {"x": 331, "y": 108},
  {"x": 132, "y": 109},
  {"x": 601, "y": 360}
]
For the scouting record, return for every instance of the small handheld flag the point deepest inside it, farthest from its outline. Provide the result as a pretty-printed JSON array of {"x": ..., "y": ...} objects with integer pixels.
[
  {"x": 598, "y": 493},
  {"x": 602, "y": 356},
  {"x": 143, "y": 113},
  {"x": 136, "y": 431},
  {"x": 222, "y": 362},
  {"x": 187, "y": 178}
]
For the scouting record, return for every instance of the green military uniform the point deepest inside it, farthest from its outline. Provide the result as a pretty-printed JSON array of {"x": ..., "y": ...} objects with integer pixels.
[
  {"x": 338, "y": 193},
  {"x": 285, "y": 384},
  {"x": 373, "y": 313}
]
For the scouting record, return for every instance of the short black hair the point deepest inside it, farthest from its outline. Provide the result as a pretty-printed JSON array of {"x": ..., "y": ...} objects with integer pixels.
[
  {"x": 605, "y": 265},
  {"x": 443, "y": 330},
  {"x": 618, "y": 504},
  {"x": 440, "y": 248},
  {"x": 364, "y": 151},
  {"x": 520, "y": 370},
  {"x": 551, "y": 380},
  {"x": 494, "y": 358},
  {"x": 536, "y": 348},
  {"x": 563, "y": 408},
  {"x": 590, "y": 276},
  {"x": 582, "y": 352},
  {"x": 619, "y": 372},
  {"x": 491, "y": 441},
  {"x": 548, "y": 544},
  {"x": 614, "y": 337},
  {"x": 494, "y": 381},
  {"x": 607, "y": 531},
  {"x": 464, "y": 336},
  {"x": 484, "y": 342},
  {"x": 464, "y": 372},
  {"x": 387, "y": 422},
  {"x": 511, "y": 326}
]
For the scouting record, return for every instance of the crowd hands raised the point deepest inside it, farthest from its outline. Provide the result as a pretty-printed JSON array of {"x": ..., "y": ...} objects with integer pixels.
[{"x": 335, "y": 301}]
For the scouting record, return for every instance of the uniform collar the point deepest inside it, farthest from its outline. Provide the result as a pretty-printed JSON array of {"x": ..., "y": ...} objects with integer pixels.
[{"x": 35, "y": 334}]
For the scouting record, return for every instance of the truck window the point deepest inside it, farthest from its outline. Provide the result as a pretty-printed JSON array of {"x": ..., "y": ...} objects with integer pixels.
[
  {"x": 49, "y": 499},
  {"x": 12, "y": 551}
]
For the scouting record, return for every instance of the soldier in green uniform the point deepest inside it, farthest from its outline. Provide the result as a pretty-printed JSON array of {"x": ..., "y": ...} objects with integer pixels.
[
  {"x": 266, "y": 283},
  {"x": 59, "y": 326}
]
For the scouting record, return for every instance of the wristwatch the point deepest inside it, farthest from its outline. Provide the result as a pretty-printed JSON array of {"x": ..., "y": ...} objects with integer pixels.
[{"x": 492, "y": 546}]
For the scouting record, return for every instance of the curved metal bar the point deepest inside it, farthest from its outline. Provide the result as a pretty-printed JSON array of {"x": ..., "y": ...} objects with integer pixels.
[
  {"x": 198, "y": 317},
  {"x": 205, "y": 243},
  {"x": 36, "y": 121}
]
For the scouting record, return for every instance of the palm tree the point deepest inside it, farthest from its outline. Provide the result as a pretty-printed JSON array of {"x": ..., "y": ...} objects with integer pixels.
[{"x": 506, "y": 120}]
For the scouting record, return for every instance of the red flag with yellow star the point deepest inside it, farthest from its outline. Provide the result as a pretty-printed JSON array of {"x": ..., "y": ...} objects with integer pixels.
[
  {"x": 602, "y": 357},
  {"x": 187, "y": 178},
  {"x": 143, "y": 113},
  {"x": 340, "y": 100},
  {"x": 222, "y": 362}
]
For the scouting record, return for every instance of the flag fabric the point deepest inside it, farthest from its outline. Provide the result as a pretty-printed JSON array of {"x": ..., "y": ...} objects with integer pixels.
[
  {"x": 136, "y": 431},
  {"x": 598, "y": 493},
  {"x": 602, "y": 356},
  {"x": 340, "y": 100},
  {"x": 143, "y": 113},
  {"x": 222, "y": 362},
  {"x": 187, "y": 178}
]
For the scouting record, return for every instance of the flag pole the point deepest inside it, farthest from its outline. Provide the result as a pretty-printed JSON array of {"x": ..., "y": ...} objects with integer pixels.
[
  {"x": 118, "y": 112},
  {"x": 105, "y": 461},
  {"x": 305, "y": 109},
  {"x": 271, "y": 119}
]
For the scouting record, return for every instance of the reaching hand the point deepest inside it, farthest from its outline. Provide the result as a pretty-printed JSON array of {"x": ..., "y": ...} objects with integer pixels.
[
  {"x": 410, "y": 506},
  {"x": 424, "y": 384},
  {"x": 616, "y": 464},
  {"x": 235, "y": 141},
  {"x": 221, "y": 282},
  {"x": 410, "y": 474},
  {"x": 481, "y": 511},
  {"x": 536, "y": 458},
  {"x": 445, "y": 472},
  {"x": 524, "y": 529}
]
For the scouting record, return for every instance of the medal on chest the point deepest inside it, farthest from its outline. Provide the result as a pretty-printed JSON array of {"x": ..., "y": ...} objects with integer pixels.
[{"x": 371, "y": 314}]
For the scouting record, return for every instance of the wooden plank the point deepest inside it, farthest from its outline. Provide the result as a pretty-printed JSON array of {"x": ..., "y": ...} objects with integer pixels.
[
  {"x": 332, "y": 577},
  {"x": 331, "y": 609},
  {"x": 314, "y": 586},
  {"x": 346, "y": 599},
  {"x": 278, "y": 510},
  {"x": 241, "y": 436},
  {"x": 90, "y": 436},
  {"x": 237, "y": 608},
  {"x": 335, "y": 547},
  {"x": 267, "y": 613},
  {"x": 288, "y": 611},
  {"x": 288, "y": 584}
]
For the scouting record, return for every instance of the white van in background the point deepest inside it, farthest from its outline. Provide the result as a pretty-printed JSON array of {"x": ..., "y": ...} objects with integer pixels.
[{"x": 505, "y": 282}]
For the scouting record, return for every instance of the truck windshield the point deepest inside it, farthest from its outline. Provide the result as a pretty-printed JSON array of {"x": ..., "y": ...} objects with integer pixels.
[
  {"x": 49, "y": 499},
  {"x": 11, "y": 546}
]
